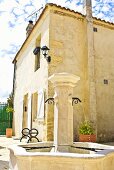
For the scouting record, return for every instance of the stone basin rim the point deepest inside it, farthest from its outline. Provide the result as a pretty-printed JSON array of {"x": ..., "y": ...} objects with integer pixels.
[{"x": 20, "y": 151}]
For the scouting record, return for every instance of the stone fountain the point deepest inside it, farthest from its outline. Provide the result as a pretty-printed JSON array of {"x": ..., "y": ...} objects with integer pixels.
[
  {"x": 63, "y": 110},
  {"x": 62, "y": 153}
]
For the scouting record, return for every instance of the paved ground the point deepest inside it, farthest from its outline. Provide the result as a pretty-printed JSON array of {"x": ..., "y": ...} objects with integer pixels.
[{"x": 4, "y": 152}]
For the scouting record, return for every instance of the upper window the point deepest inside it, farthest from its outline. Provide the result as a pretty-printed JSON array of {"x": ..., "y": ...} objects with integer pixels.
[
  {"x": 37, "y": 56},
  {"x": 105, "y": 81},
  {"x": 94, "y": 29}
]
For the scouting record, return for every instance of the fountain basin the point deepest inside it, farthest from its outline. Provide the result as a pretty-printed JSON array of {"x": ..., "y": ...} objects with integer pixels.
[{"x": 42, "y": 156}]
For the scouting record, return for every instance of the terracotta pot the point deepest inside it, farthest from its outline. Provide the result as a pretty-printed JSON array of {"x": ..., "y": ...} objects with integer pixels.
[
  {"x": 87, "y": 138},
  {"x": 8, "y": 132}
]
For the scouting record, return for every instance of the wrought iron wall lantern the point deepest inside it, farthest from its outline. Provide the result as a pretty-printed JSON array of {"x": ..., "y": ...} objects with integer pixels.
[
  {"x": 44, "y": 50},
  {"x": 75, "y": 100},
  {"x": 50, "y": 101}
]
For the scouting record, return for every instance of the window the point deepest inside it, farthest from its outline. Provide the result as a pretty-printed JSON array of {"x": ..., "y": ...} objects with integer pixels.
[
  {"x": 38, "y": 105},
  {"x": 37, "y": 61},
  {"x": 34, "y": 105},
  {"x": 25, "y": 111},
  {"x": 94, "y": 29},
  {"x": 105, "y": 81},
  {"x": 37, "y": 56}
]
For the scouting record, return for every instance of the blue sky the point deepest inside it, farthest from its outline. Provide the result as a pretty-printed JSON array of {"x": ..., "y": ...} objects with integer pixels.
[{"x": 14, "y": 19}]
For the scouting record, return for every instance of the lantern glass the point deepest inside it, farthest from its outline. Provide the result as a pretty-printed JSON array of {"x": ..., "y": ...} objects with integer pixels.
[{"x": 45, "y": 50}]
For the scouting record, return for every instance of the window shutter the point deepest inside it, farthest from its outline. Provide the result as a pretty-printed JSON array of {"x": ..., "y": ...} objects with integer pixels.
[
  {"x": 29, "y": 111},
  {"x": 40, "y": 113}
]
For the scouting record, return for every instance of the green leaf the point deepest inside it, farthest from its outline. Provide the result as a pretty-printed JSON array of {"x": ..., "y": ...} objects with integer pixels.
[{"x": 86, "y": 128}]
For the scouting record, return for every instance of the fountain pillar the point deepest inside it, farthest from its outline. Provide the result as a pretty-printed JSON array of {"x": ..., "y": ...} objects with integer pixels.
[{"x": 63, "y": 109}]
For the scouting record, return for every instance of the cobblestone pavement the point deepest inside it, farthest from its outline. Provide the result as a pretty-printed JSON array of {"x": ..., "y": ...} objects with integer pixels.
[{"x": 4, "y": 152}]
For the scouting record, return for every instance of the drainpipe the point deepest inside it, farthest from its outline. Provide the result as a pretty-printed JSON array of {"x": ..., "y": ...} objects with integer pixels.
[
  {"x": 90, "y": 77},
  {"x": 13, "y": 91},
  {"x": 14, "y": 78}
]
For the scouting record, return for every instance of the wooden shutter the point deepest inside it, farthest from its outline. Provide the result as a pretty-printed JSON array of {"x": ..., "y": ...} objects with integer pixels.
[{"x": 40, "y": 105}]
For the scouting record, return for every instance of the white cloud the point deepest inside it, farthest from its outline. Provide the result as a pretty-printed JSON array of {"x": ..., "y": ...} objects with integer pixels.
[
  {"x": 6, "y": 77},
  {"x": 29, "y": 9},
  {"x": 18, "y": 11},
  {"x": 58, "y": 2},
  {"x": 38, "y": 4},
  {"x": 7, "y": 5}
]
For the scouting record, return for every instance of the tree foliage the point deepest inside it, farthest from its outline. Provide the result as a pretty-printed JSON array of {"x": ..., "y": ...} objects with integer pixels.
[{"x": 9, "y": 108}]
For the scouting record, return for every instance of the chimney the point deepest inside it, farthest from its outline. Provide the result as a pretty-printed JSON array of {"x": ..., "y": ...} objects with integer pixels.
[
  {"x": 29, "y": 28},
  {"x": 87, "y": 8}
]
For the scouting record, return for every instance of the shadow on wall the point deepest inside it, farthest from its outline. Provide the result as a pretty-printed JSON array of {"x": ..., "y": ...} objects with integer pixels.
[{"x": 78, "y": 116}]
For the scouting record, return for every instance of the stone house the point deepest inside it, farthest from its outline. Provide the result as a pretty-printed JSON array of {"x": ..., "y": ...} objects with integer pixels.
[{"x": 79, "y": 44}]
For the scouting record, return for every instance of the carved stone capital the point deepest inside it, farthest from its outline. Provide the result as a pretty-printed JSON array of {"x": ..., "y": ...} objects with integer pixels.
[{"x": 64, "y": 79}]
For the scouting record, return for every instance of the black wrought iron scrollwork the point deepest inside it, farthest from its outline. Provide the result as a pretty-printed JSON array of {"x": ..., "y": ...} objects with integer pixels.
[
  {"x": 50, "y": 101},
  {"x": 75, "y": 100}
]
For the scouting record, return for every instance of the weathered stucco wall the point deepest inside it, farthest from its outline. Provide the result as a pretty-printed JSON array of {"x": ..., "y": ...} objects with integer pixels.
[
  {"x": 27, "y": 80},
  {"x": 104, "y": 70}
]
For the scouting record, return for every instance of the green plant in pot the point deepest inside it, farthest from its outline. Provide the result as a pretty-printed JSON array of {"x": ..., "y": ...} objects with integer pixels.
[{"x": 86, "y": 132}]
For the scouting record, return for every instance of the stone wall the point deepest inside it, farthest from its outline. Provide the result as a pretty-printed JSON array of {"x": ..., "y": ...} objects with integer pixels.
[
  {"x": 104, "y": 75},
  {"x": 68, "y": 47}
]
